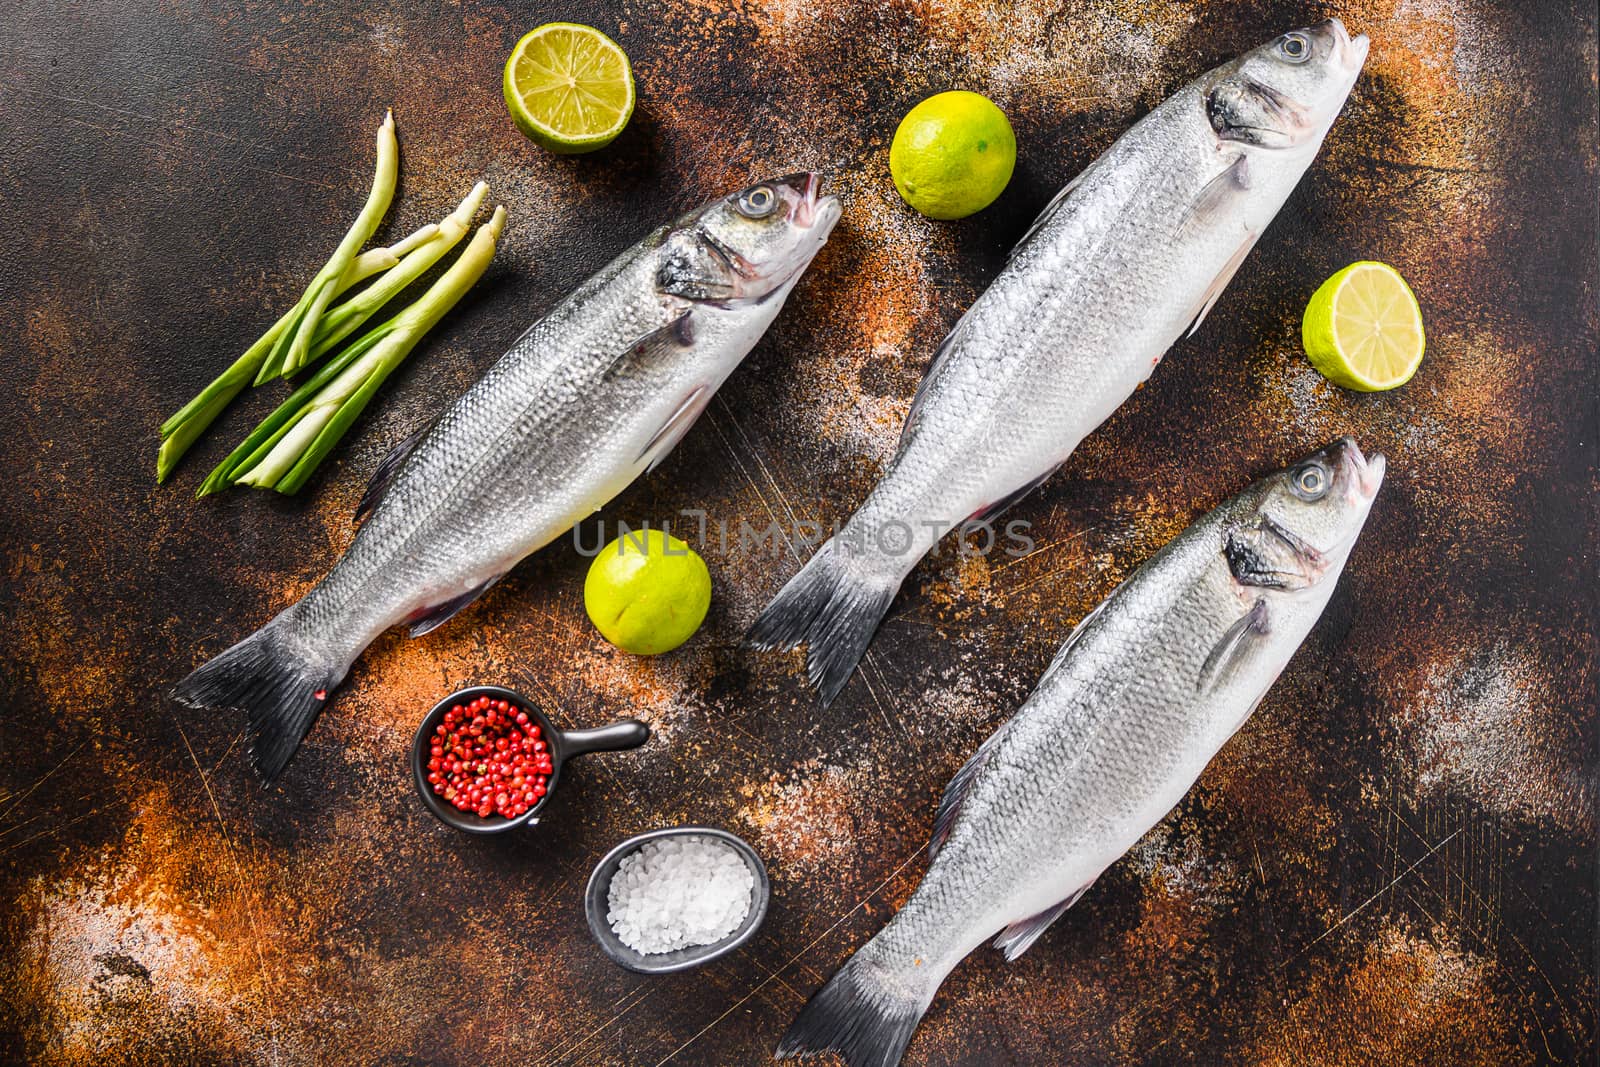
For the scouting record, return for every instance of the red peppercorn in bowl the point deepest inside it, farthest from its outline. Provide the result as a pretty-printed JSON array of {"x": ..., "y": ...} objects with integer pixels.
[{"x": 485, "y": 759}]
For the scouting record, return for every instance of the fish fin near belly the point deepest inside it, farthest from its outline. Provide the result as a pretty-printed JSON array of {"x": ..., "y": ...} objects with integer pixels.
[
  {"x": 659, "y": 343},
  {"x": 1017, "y": 938},
  {"x": 831, "y": 609},
  {"x": 1217, "y": 195},
  {"x": 378, "y": 485},
  {"x": 672, "y": 431},
  {"x": 440, "y": 614},
  {"x": 990, "y": 512},
  {"x": 1234, "y": 646},
  {"x": 1213, "y": 293},
  {"x": 272, "y": 681}
]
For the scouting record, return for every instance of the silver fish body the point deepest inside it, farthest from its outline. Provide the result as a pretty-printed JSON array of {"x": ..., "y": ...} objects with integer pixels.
[
  {"x": 1142, "y": 695},
  {"x": 591, "y": 396},
  {"x": 1128, "y": 256}
]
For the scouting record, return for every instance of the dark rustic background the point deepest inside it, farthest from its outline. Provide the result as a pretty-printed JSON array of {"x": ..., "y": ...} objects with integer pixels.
[{"x": 1393, "y": 863}]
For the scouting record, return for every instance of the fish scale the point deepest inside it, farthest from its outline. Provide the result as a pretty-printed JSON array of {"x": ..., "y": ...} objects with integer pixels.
[
  {"x": 587, "y": 399},
  {"x": 1142, "y": 695}
]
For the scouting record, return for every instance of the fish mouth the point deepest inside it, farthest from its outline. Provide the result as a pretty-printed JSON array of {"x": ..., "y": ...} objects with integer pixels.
[
  {"x": 812, "y": 205},
  {"x": 1351, "y": 52},
  {"x": 1366, "y": 475}
]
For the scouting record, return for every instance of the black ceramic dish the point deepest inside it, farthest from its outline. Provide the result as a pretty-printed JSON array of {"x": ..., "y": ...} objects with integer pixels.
[
  {"x": 563, "y": 745},
  {"x": 596, "y": 905}
]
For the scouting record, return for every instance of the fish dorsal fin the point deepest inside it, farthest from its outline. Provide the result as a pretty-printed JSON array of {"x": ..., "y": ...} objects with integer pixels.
[
  {"x": 1072, "y": 641},
  {"x": 646, "y": 350},
  {"x": 1234, "y": 646},
  {"x": 934, "y": 366},
  {"x": 990, "y": 512},
  {"x": 1213, "y": 293},
  {"x": 440, "y": 614},
  {"x": 955, "y": 794},
  {"x": 1046, "y": 215},
  {"x": 1016, "y": 939},
  {"x": 379, "y": 483},
  {"x": 671, "y": 432}
]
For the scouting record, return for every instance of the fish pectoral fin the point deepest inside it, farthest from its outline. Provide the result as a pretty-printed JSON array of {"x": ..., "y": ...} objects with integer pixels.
[
  {"x": 439, "y": 614},
  {"x": 1234, "y": 647},
  {"x": 1017, "y": 938},
  {"x": 990, "y": 512},
  {"x": 1213, "y": 293},
  {"x": 1217, "y": 194},
  {"x": 387, "y": 467},
  {"x": 955, "y": 794},
  {"x": 646, "y": 350},
  {"x": 671, "y": 432},
  {"x": 1046, "y": 215}
]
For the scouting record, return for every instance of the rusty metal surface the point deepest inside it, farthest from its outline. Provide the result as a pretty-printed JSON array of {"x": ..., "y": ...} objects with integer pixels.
[{"x": 1394, "y": 862}]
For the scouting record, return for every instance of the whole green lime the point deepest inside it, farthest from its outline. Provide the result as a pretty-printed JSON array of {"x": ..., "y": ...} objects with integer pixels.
[
  {"x": 647, "y": 592},
  {"x": 953, "y": 155}
]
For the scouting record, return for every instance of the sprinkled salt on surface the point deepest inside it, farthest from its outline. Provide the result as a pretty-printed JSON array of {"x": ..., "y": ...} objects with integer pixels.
[{"x": 678, "y": 892}]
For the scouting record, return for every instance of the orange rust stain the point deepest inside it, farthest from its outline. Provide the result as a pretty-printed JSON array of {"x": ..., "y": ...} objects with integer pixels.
[{"x": 1412, "y": 998}]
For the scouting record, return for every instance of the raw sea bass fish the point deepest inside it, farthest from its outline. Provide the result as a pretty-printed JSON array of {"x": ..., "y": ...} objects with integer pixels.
[
  {"x": 1128, "y": 255},
  {"x": 1146, "y": 690},
  {"x": 590, "y": 397}
]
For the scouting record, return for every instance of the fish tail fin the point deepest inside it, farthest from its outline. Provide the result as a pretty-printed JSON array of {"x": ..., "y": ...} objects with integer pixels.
[
  {"x": 280, "y": 689},
  {"x": 834, "y": 609},
  {"x": 866, "y": 1013}
]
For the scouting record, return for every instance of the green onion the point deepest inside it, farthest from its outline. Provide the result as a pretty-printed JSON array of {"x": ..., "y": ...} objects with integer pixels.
[
  {"x": 190, "y": 421},
  {"x": 291, "y": 349},
  {"x": 287, "y": 447},
  {"x": 344, "y": 319}
]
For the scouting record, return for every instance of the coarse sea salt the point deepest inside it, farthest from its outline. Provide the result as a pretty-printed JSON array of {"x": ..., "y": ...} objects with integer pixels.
[{"x": 678, "y": 892}]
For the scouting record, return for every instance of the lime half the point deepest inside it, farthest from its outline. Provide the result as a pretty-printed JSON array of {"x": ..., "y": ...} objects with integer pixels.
[
  {"x": 569, "y": 87},
  {"x": 1363, "y": 328}
]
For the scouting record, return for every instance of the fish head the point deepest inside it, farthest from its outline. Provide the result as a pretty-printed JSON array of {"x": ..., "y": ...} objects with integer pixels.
[
  {"x": 1286, "y": 93},
  {"x": 746, "y": 247},
  {"x": 1296, "y": 529}
]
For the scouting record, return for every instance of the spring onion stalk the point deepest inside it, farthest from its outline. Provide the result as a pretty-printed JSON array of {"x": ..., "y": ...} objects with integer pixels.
[
  {"x": 291, "y": 350},
  {"x": 190, "y": 421},
  {"x": 344, "y": 319},
  {"x": 289, "y": 445}
]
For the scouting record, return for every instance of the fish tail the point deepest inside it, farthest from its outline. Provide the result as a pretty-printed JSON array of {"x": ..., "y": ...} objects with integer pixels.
[
  {"x": 866, "y": 1013},
  {"x": 278, "y": 686},
  {"x": 834, "y": 609}
]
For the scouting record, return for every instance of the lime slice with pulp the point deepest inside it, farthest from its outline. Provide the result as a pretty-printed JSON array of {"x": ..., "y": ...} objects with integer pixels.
[
  {"x": 1363, "y": 328},
  {"x": 569, "y": 87}
]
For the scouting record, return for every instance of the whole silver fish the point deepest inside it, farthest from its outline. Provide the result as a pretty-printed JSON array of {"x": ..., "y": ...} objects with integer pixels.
[
  {"x": 591, "y": 396},
  {"x": 1148, "y": 688},
  {"x": 1127, "y": 256}
]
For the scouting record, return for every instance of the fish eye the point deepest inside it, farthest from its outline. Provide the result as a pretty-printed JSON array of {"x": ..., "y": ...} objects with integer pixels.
[
  {"x": 757, "y": 203},
  {"x": 1296, "y": 47},
  {"x": 1310, "y": 482}
]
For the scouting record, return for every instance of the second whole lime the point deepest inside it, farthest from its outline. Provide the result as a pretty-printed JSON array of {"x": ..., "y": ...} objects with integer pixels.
[
  {"x": 647, "y": 592},
  {"x": 953, "y": 155}
]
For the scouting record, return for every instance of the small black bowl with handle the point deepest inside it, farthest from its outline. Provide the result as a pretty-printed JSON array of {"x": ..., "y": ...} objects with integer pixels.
[{"x": 562, "y": 745}]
